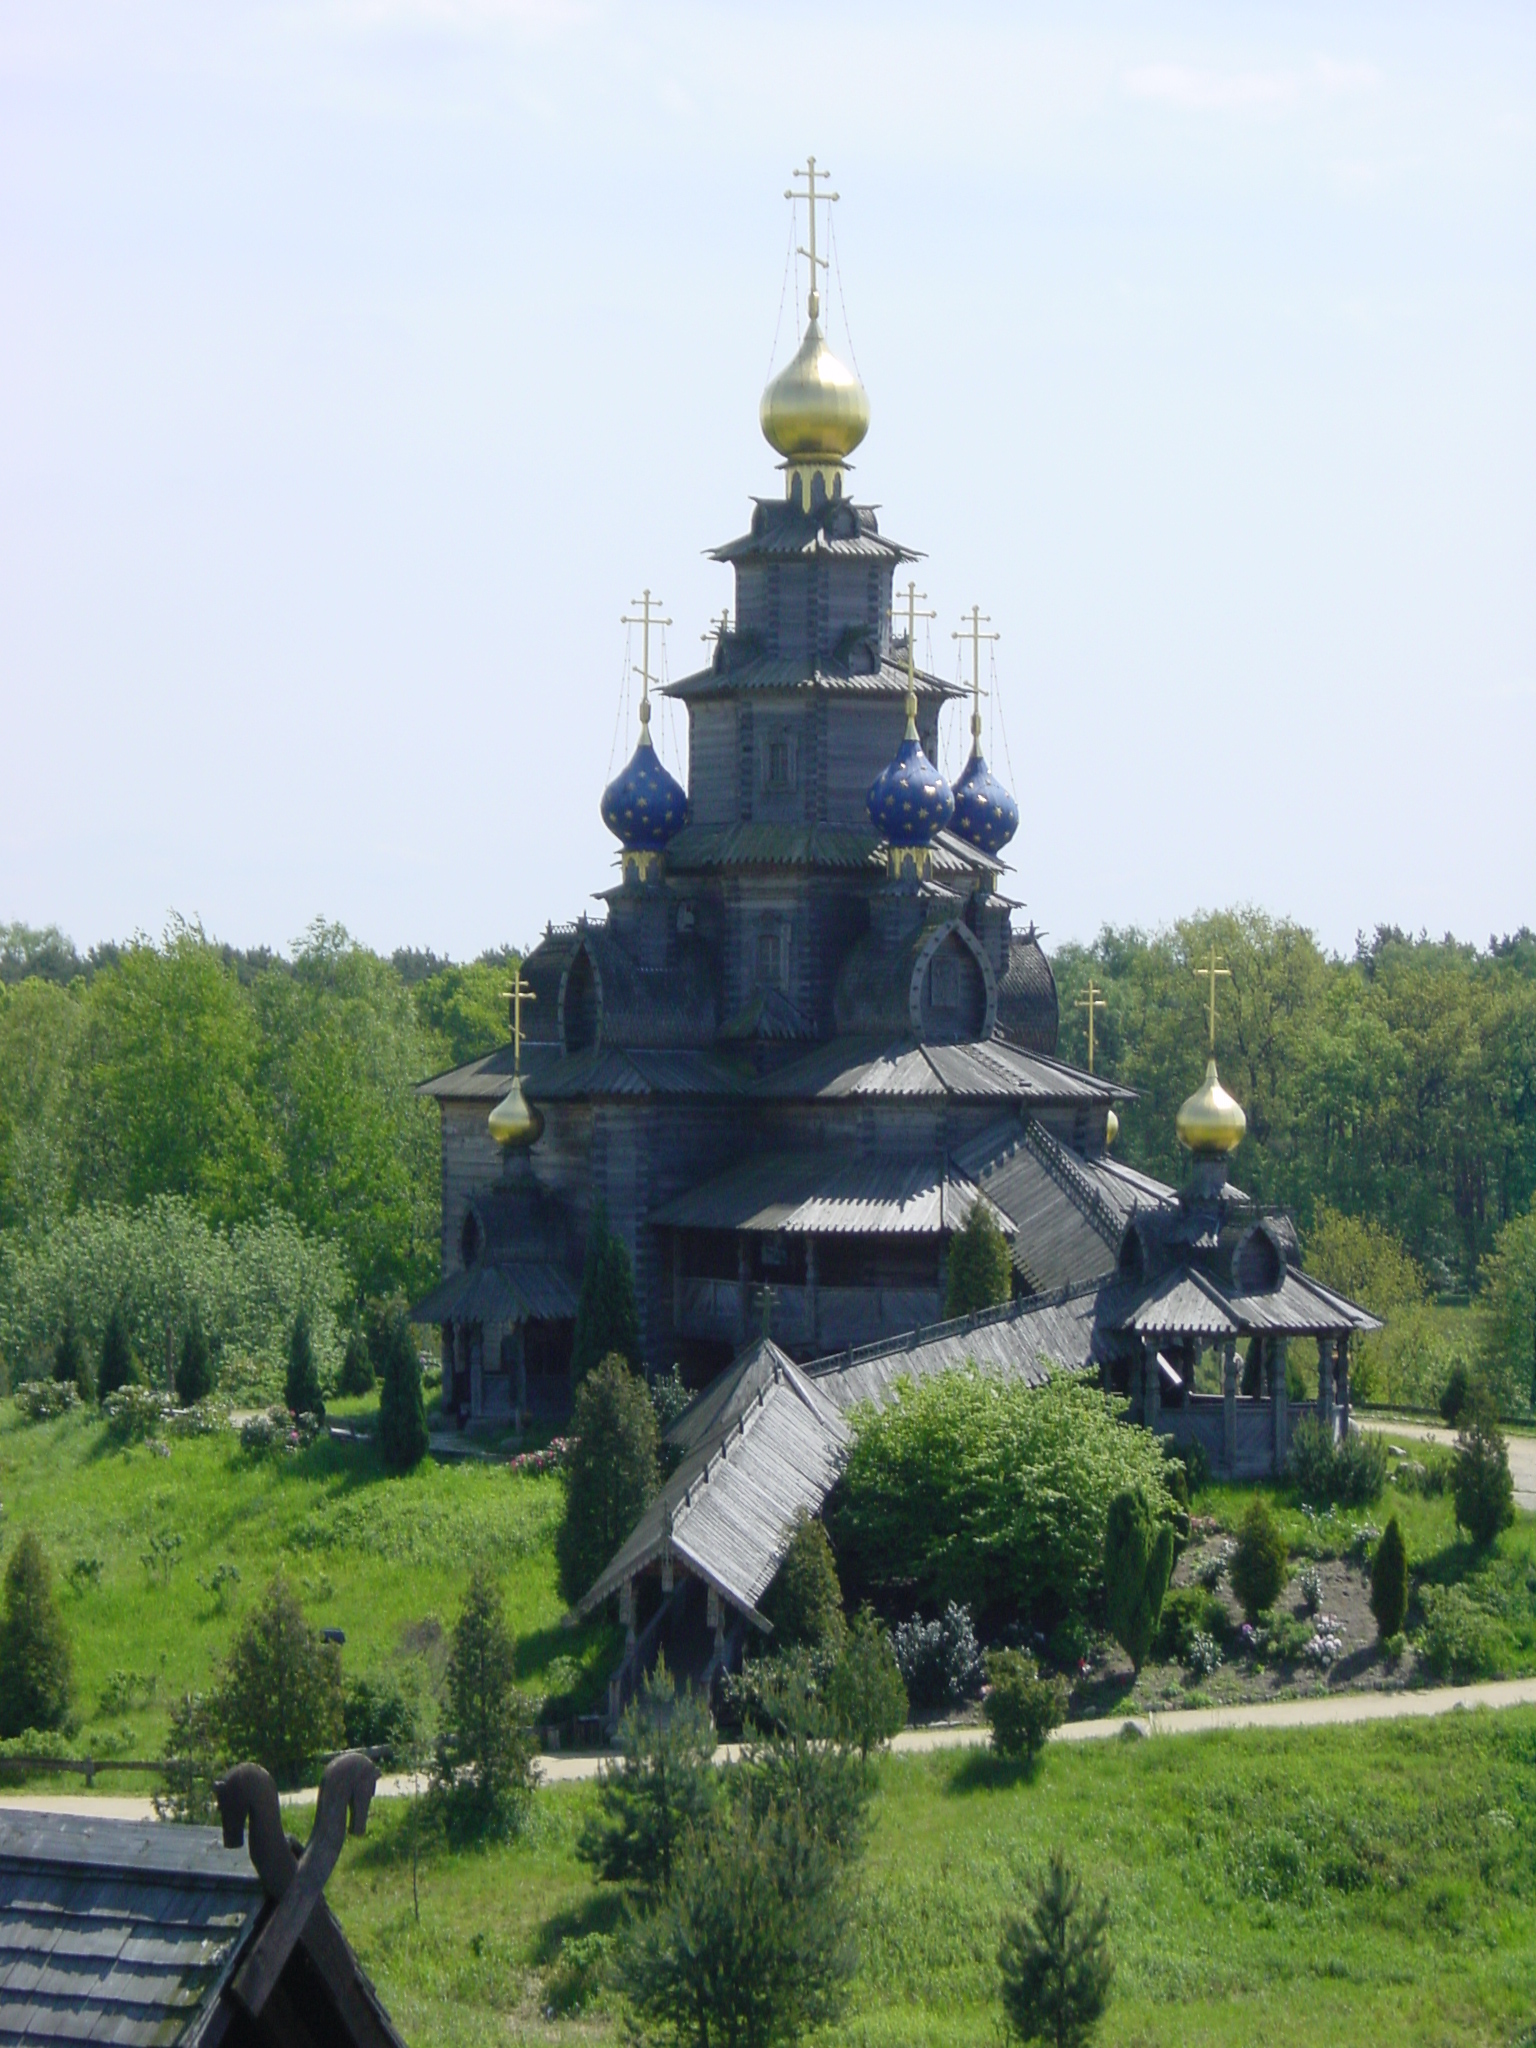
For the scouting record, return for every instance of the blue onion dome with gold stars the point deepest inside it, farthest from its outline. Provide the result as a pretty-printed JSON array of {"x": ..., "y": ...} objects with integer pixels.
[
  {"x": 643, "y": 805},
  {"x": 986, "y": 815},
  {"x": 910, "y": 800}
]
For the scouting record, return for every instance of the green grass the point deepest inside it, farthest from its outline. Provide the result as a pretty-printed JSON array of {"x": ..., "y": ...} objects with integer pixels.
[
  {"x": 372, "y": 1555},
  {"x": 1356, "y": 1885}
]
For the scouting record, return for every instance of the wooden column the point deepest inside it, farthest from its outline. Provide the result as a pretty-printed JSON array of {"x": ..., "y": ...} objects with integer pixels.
[
  {"x": 627, "y": 1612},
  {"x": 812, "y": 1301},
  {"x": 1151, "y": 1383},
  {"x": 1343, "y": 1385},
  {"x": 714, "y": 1618},
  {"x": 1279, "y": 1403},
  {"x": 1325, "y": 1383},
  {"x": 520, "y": 1353},
  {"x": 1229, "y": 1405},
  {"x": 743, "y": 1280}
]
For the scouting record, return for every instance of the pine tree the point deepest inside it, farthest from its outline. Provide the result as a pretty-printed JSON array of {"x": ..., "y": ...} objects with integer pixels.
[
  {"x": 279, "y": 1696},
  {"x": 664, "y": 1784},
  {"x": 980, "y": 1264},
  {"x": 865, "y": 1693},
  {"x": 484, "y": 1772},
  {"x": 194, "y": 1366},
  {"x": 302, "y": 1389},
  {"x": 357, "y": 1375},
  {"x": 607, "y": 1319},
  {"x": 613, "y": 1471},
  {"x": 35, "y": 1663},
  {"x": 1138, "y": 1563},
  {"x": 403, "y": 1437},
  {"x": 117, "y": 1368},
  {"x": 1481, "y": 1482},
  {"x": 1389, "y": 1580},
  {"x": 69, "y": 1366},
  {"x": 805, "y": 1601},
  {"x": 1055, "y": 1962}
]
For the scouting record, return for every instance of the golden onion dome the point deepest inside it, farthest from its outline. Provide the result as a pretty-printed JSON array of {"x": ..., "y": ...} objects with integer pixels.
[
  {"x": 816, "y": 405},
  {"x": 514, "y": 1120},
  {"x": 1211, "y": 1120},
  {"x": 1111, "y": 1128}
]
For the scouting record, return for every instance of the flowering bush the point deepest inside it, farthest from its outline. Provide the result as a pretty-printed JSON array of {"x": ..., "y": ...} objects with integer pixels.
[
  {"x": 555, "y": 1454},
  {"x": 1212, "y": 1569},
  {"x": 46, "y": 1400},
  {"x": 1310, "y": 1579},
  {"x": 203, "y": 1418},
  {"x": 1202, "y": 1653},
  {"x": 134, "y": 1413},
  {"x": 1327, "y": 1643}
]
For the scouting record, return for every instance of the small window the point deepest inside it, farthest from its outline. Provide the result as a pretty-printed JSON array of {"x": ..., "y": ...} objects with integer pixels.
[
  {"x": 944, "y": 983},
  {"x": 769, "y": 957},
  {"x": 779, "y": 762},
  {"x": 469, "y": 1239}
]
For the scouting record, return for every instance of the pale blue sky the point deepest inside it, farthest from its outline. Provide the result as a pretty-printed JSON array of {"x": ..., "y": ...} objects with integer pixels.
[{"x": 360, "y": 361}]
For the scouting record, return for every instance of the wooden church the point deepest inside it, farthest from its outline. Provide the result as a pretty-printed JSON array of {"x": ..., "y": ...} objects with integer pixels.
[{"x": 808, "y": 1033}]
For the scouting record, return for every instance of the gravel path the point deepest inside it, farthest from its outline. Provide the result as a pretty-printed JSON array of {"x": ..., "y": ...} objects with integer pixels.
[{"x": 1329, "y": 1712}]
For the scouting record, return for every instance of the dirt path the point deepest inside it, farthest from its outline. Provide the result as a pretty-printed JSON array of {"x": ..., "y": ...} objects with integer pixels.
[
  {"x": 1330, "y": 1712},
  {"x": 1522, "y": 1452}
]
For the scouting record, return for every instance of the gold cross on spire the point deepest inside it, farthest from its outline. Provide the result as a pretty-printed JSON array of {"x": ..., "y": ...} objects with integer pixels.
[
  {"x": 1213, "y": 973},
  {"x": 975, "y": 635},
  {"x": 518, "y": 994},
  {"x": 719, "y": 627},
  {"x": 810, "y": 196},
  {"x": 913, "y": 615},
  {"x": 1094, "y": 1000},
  {"x": 645, "y": 619}
]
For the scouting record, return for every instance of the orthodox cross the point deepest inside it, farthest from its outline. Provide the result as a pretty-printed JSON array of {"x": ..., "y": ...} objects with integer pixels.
[
  {"x": 810, "y": 195},
  {"x": 1094, "y": 1000},
  {"x": 975, "y": 635},
  {"x": 518, "y": 994},
  {"x": 645, "y": 620},
  {"x": 719, "y": 628},
  {"x": 1213, "y": 973},
  {"x": 913, "y": 615}
]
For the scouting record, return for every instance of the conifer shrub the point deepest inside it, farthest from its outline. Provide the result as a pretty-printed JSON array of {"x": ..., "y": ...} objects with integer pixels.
[
  {"x": 1138, "y": 1563},
  {"x": 1021, "y": 1707},
  {"x": 278, "y": 1701},
  {"x": 69, "y": 1362},
  {"x": 1483, "y": 1488},
  {"x": 1054, "y": 1960},
  {"x": 36, "y": 1668},
  {"x": 939, "y": 1661},
  {"x": 194, "y": 1363},
  {"x": 301, "y": 1388},
  {"x": 483, "y": 1771},
  {"x": 980, "y": 1265},
  {"x": 1456, "y": 1392},
  {"x": 805, "y": 1601},
  {"x": 116, "y": 1369},
  {"x": 1389, "y": 1580},
  {"x": 607, "y": 1318},
  {"x": 613, "y": 1471},
  {"x": 403, "y": 1437},
  {"x": 663, "y": 1783},
  {"x": 357, "y": 1374},
  {"x": 1326, "y": 1470},
  {"x": 865, "y": 1693},
  {"x": 1259, "y": 1561}
]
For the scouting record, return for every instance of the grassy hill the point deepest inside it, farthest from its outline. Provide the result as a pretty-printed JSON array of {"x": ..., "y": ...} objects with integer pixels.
[{"x": 137, "y": 1537}]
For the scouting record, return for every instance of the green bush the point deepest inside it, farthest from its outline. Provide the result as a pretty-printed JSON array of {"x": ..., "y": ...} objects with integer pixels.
[
  {"x": 301, "y": 1388},
  {"x": 36, "y": 1674},
  {"x": 1187, "y": 1612},
  {"x": 357, "y": 1375},
  {"x": 1258, "y": 1567},
  {"x": 1138, "y": 1563},
  {"x": 377, "y": 1714},
  {"x": 135, "y": 1413},
  {"x": 805, "y": 1602},
  {"x": 1455, "y": 1393},
  {"x": 865, "y": 1693},
  {"x": 1459, "y": 1639},
  {"x": 1021, "y": 1707},
  {"x": 278, "y": 1701},
  {"x": 986, "y": 1491},
  {"x": 483, "y": 1770},
  {"x": 1389, "y": 1580},
  {"x": 194, "y": 1365},
  {"x": 980, "y": 1264},
  {"x": 46, "y": 1400},
  {"x": 663, "y": 1783},
  {"x": 1484, "y": 1490},
  {"x": 403, "y": 1437},
  {"x": 612, "y": 1475},
  {"x": 1054, "y": 1961},
  {"x": 1347, "y": 1472}
]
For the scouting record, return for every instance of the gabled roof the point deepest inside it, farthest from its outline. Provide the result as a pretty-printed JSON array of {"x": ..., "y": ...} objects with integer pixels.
[
  {"x": 771, "y": 1450},
  {"x": 830, "y": 1192},
  {"x": 1188, "y": 1303},
  {"x": 1024, "y": 1340},
  {"x": 117, "y": 1931},
  {"x": 518, "y": 1291},
  {"x": 975, "y": 1071},
  {"x": 1070, "y": 1209},
  {"x": 862, "y": 675}
]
